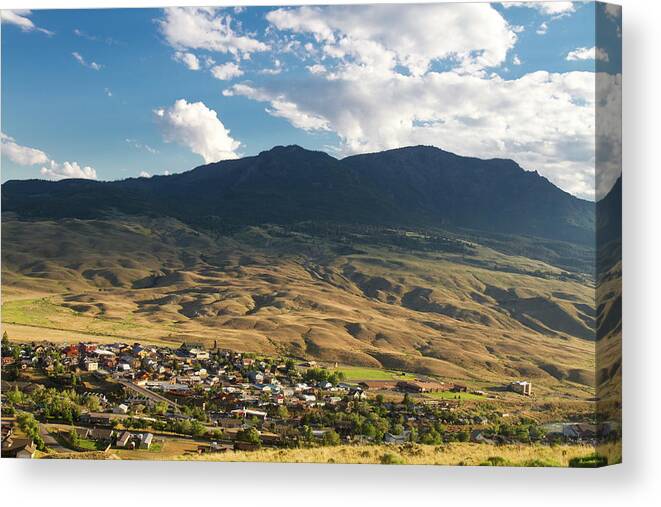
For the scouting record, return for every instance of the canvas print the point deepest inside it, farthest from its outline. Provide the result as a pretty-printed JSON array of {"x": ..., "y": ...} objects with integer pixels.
[{"x": 385, "y": 234}]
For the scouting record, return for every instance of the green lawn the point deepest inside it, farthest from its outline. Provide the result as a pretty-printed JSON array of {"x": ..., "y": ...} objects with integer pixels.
[
  {"x": 89, "y": 445},
  {"x": 36, "y": 312},
  {"x": 447, "y": 395},
  {"x": 356, "y": 373}
]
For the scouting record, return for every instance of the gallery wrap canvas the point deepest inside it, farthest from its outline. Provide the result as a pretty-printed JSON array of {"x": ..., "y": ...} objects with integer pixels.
[{"x": 380, "y": 234}]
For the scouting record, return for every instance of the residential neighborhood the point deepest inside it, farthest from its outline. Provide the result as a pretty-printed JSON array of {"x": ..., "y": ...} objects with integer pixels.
[{"x": 133, "y": 398}]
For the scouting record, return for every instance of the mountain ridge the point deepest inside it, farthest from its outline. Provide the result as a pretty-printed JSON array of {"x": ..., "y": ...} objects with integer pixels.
[{"x": 411, "y": 186}]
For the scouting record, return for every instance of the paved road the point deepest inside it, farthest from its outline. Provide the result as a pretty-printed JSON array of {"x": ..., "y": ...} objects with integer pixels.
[
  {"x": 155, "y": 397},
  {"x": 50, "y": 441}
]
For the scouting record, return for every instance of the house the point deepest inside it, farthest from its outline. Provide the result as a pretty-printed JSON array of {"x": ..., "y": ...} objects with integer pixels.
[
  {"x": 18, "y": 448},
  {"x": 458, "y": 388},
  {"x": 248, "y": 413},
  {"x": 120, "y": 409},
  {"x": 124, "y": 440},
  {"x": 521, "y": 387},
  {"x": 90, "y": 365},
  {"x": 404, "y": 437},
  {"x": 83, "y": 432},
  {"x": 96, "y": 418},
  {"x": 101, "y": 434},
  {"x": 145, "y": 440}
]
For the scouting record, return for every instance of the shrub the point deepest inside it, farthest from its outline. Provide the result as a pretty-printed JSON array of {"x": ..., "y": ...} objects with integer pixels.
[
  {"x": 591, "y": 461},
  {"x": 495, "y": 461},
  {"x": 391, "y": 459}
]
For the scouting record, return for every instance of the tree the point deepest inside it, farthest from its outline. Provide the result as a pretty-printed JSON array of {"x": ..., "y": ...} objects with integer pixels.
[
  {"x": 74, "y": 438},
  {"x": 283, "y": 412},
  {"x": 331, "y": 438},
  {"x": 93, "y": 403},
  {"x": 197, "y": 428},
  {"x": 250, "y": 435}
]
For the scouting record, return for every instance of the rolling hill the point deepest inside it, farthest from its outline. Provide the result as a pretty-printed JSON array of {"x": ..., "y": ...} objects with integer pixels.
[{"x": 415, "y": 259}]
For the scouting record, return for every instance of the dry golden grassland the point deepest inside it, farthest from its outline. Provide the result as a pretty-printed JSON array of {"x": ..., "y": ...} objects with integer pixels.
[
  {"x": 447, "y": 454},
  {"x": 463, "y": 454},
  {"x": 482, "y": 317}
]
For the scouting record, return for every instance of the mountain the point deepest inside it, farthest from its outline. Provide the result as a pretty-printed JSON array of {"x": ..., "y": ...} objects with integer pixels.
[
  {"x": 414, "y": 259},
  {"x": 418, "y": 186}
]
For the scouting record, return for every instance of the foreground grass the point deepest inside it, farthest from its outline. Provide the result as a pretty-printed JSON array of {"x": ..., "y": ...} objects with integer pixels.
[{"x": 468, "y": 454}]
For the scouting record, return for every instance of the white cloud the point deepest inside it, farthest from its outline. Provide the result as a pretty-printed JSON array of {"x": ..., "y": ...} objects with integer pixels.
[
  {"x": 19, "y": 17},
  {"x": 516, "y": 60},
  {"x": 544, "y": 121},
  {"x": 593, "y": 53},
  {"x": 543, "y": 28},
  {"x": 280, "y": 107},
  {"x": 226, "y": 71},
  {"x": 144, "y": 174},
  {"x": 475, "y": 36},
  {"x": 90, "y": 65},
  {"x": 197, "y": 127},
  {"x": 21, "y": 155},
  {"x": 108, "y": 92},
  {"x": 188, "y": 59},
  {"x": 56, "y": 171},
  {"x": 206, "y": 28},
  {"x": 273, "y": 71},
  {"x": 613, "y": 11},
  {"x": 317, "y": 69},
  {"x": 549, "y": 8},
  {"x": 141, "y": 146}
]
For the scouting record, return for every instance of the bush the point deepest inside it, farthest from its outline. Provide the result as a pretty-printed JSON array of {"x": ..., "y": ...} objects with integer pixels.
[
  {"x": 539, "y": 463},
  {"x": 391, "y": 459},
  {"x": 591, "y": 461},
  {"x": 495, "y": 461}
]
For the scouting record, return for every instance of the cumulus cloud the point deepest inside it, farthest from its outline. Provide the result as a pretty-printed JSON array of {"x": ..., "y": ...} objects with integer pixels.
[
  {"x": 543, "y": 28},
  {"x": 144, "y": 174},
  {"x": 280, "y": 107},
  {"x": 226, "y": 71},
  {"x": 206, "y": 28},
  {"x": 90, "y": 65},
  {"x": 188, "y": 59},
  {"x": 21, "y": 155},
  {"x": 20, "y": 18},
  {"x": 56, "y": 171},
  {"x": 592, "y": 53},
  {"x": 194, "y": 125},
  {"x": 549, "y": 8},
  {"x": 544, "y": 121},
  {"x": 475, "y": 36}
]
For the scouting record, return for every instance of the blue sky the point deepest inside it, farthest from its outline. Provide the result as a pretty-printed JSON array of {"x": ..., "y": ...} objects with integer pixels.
[{"x": 116, "y": 93}]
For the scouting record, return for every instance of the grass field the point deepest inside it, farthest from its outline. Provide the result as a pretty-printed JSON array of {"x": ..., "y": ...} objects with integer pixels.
[
  {"x": 484, "y": 317},
  {"x": 356, "y": 373},
  {"x": 468, "y": 454},
  {"x": 447, "y": 395},
  {"x": 462, "y": 454}
]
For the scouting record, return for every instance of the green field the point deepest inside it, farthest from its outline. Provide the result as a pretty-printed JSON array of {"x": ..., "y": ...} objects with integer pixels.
[
  {"x": 36, "y": 312},
  {"x": 356, "y": 373},
  {"x": 447, "y": 395}
]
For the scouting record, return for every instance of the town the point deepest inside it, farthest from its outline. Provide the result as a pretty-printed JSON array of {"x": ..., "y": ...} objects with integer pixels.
[{"x": 135, "y": 399}]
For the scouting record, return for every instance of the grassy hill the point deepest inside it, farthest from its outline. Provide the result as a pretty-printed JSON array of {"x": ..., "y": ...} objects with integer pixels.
[{"x": 424, "y": 301}]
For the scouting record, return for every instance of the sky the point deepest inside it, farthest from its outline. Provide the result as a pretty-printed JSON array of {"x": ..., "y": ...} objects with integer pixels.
[{"x": 115, "y": 93}]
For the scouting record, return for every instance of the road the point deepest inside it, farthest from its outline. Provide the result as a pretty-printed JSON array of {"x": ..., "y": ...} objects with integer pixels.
[
  {"x": 155, "y": 397},
  {"x": 50, "y": 441}
]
